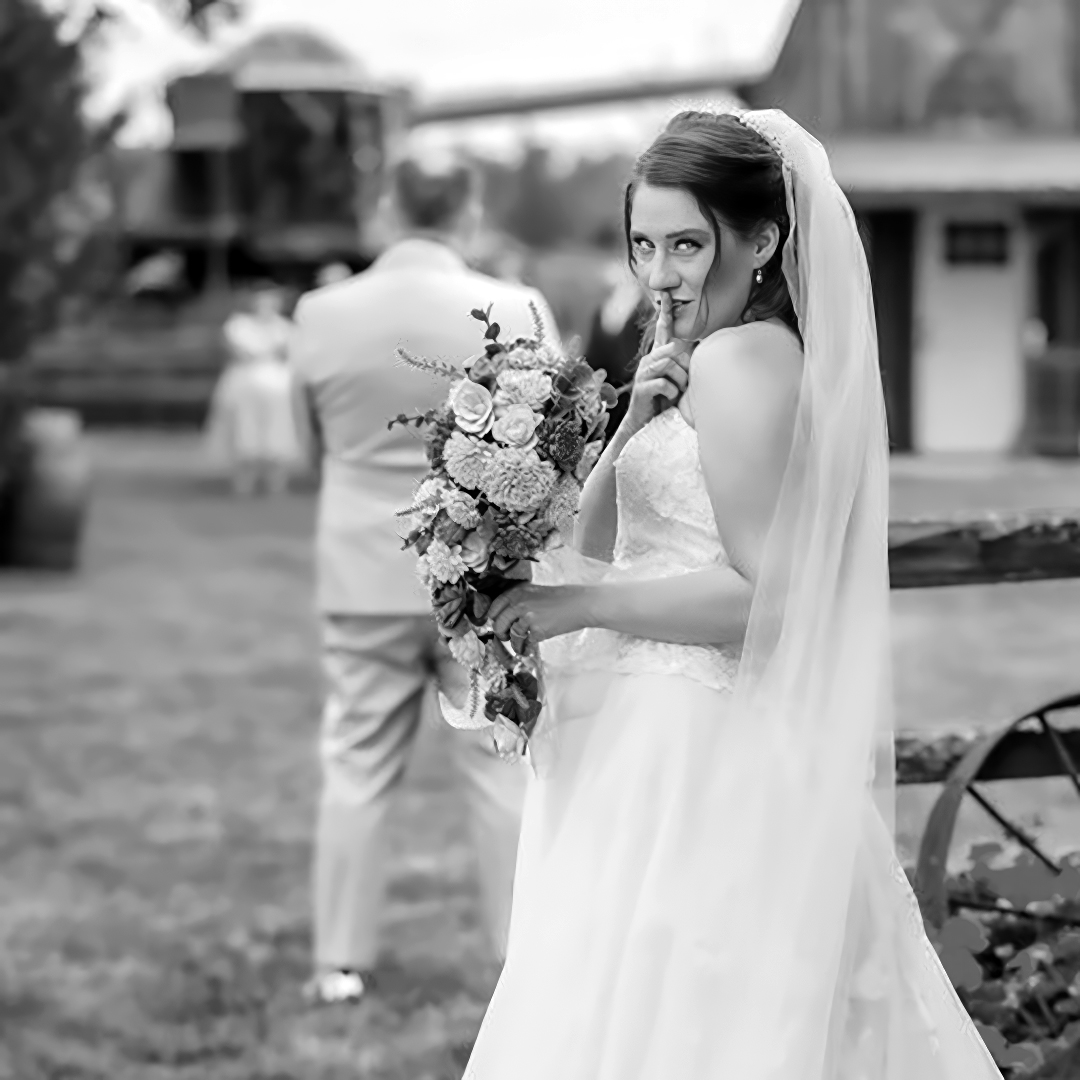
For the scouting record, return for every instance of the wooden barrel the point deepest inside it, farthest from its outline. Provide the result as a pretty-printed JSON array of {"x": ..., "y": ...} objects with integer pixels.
[{"x": 49, "y": 493}]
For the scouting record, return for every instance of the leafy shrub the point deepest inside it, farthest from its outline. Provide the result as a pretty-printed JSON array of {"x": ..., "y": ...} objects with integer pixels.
[{"x": 1012, "y": 951}]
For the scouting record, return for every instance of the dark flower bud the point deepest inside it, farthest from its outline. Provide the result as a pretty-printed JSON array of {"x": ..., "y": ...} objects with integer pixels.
[{"x": 449, "y": 603}]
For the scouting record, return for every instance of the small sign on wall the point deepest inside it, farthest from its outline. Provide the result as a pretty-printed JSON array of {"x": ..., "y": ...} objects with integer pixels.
[{"x": 984, "y": 243}]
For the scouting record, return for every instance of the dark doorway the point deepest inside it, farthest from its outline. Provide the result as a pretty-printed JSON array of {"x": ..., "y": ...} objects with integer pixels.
[
  {"x": 1052, "y": 366},
  {"x": 889, "y": 236},
  {"x": 1056, "y": 243}
]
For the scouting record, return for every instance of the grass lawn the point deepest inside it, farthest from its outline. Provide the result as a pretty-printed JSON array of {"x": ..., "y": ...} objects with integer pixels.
[{"x": 157, "y": 784}]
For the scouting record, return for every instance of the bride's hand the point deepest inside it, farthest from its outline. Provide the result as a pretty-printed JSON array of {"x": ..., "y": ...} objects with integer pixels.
[
  {"x": 533, "y": 613},
  {"x": 662, "y": 375}
]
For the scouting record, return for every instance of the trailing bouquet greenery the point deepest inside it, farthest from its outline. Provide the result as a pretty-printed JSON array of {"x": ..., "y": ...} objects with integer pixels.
[{"x": 510, "y": 448}]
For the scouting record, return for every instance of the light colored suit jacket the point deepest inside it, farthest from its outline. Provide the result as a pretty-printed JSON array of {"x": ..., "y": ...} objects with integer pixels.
[{"x": 417, "y": 294}]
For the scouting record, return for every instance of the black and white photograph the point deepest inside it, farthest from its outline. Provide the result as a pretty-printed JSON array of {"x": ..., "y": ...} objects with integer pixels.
[{"x": 539, "y": 541}]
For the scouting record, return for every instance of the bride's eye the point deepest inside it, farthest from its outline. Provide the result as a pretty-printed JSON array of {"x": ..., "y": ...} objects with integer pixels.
[
  {"x": 642, "y": 245},
  {"x": 687, "y": 245}
]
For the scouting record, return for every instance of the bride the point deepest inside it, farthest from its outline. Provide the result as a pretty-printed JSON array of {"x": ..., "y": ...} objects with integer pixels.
[{"x": 707, "y": 887}]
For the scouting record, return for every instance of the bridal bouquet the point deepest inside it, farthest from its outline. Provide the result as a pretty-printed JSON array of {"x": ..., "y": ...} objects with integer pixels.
[{"x": 509, "y": 450}]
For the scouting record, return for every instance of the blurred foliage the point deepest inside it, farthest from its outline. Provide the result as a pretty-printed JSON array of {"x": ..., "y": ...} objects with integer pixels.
[
  {"x": 59, "y": 233},
  {"x": 1013, "y": 953},
  {"x": 44, "y": 144},
  {"x": 546, "y": 207}
]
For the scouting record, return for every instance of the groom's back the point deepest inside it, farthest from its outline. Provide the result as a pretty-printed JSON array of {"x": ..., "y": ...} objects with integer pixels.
[{"x": 418, "y": 295}]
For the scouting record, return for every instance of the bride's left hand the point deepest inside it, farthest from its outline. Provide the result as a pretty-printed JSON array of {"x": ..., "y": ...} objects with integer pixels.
[{"x": 534, "y": 613}]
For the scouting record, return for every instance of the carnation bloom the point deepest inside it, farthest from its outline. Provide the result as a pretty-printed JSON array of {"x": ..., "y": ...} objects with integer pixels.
[
  {"x": 528, "y": 355},
  {"x": 473, "y": 407},
  {"x": 517, "y": 427},
  {"x": 466, "y": 460},
  {"x": 564, "y": 502},
  {"x": 461, "y": 508},
  {"x": 444, "y": 563},
  {"x": 427, "y": 501},
  {"x": 467, "y": 650},
  {"x": 530, "y": 388},
  {"x": 518, "y": 480},
  {"x": 423, "y": 570}
]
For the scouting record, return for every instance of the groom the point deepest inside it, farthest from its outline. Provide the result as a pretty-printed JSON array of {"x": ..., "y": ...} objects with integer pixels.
[{"x": 381, "y": 650}]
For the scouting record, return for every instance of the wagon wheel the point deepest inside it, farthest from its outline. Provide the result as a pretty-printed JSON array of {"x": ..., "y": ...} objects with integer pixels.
[{"x": 1028, "y": 748}]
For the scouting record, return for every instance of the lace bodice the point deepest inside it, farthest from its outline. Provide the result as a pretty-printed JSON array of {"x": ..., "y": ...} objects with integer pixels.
[{"x": 666, "y": 528}]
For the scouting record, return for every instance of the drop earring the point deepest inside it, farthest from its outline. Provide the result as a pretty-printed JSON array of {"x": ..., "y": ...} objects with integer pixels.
[{"x": 758, "y": 276}]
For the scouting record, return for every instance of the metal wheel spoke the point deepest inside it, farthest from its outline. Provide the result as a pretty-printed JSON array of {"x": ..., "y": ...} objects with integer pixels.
[
  {"x": 1062, "y": 751},
  {"x": 1013, "y": 830}
]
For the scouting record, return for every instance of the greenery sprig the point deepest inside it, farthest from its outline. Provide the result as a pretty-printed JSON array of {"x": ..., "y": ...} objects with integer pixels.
[{"x": 442, "y": 368}]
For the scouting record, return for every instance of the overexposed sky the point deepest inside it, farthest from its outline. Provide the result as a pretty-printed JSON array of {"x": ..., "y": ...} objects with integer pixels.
[{"x": 464, "y": 47}]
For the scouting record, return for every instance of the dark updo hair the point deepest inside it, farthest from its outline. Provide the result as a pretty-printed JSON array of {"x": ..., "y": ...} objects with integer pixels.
[
  {"x": 432, "y": 199},
  {"x": 735, "y": 177}
]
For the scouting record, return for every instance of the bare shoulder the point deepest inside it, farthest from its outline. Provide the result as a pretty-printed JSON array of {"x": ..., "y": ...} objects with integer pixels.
[
  {"x": 744, "y": 393},
  {"x": 759, "y": 356}
]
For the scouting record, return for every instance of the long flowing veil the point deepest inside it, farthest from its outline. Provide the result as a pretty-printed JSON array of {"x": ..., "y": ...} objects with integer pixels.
[{"x": 845, "y": 984}]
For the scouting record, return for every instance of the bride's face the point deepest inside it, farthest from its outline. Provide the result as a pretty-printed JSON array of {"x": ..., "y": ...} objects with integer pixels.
[{"x": 675, "y": 251}]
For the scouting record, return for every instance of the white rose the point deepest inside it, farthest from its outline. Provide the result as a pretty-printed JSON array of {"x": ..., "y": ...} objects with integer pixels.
[
  {"x": 475, "y": 550},
  {"x": 517, "y": 427},
  {"x": 472, "y": 407}
]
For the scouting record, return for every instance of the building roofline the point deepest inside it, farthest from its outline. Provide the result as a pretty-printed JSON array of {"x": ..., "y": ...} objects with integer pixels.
[{"x": 939, "y": 163}]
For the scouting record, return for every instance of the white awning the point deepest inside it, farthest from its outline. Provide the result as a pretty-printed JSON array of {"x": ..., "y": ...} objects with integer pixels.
[{"x": 938, "y": 164}]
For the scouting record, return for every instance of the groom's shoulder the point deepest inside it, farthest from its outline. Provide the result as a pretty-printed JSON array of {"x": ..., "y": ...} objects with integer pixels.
[
  {"x": 339, "y": 296},
  {"x": 512, "y": 292},
  {"x": 512, "y": 303}
]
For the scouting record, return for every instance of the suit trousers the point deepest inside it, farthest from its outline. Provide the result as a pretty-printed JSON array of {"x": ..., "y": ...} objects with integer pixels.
[{"x": 380, "y": 671}]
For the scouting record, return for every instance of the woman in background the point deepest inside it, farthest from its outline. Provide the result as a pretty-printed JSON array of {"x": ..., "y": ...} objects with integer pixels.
[
  {"x": 614, "y": 344},
  {"x": 251, "y": 430}
]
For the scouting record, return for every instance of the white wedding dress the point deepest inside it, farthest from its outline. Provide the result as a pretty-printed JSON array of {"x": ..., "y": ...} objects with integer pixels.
[{"x": 623, "y": 914}]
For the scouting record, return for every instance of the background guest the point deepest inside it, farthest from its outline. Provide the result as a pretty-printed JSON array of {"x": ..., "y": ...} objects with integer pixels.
[{"x": 251, "y": 428}]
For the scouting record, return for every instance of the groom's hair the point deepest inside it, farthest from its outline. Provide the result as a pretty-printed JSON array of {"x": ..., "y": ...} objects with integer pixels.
[{"x": 432, "y": 191}]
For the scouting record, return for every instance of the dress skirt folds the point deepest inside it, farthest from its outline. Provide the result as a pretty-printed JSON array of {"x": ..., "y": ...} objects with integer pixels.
[{"x": 633, "y": 934}]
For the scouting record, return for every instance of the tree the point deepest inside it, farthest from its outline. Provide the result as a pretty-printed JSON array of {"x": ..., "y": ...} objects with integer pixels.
[
  {"x": 48, "y": 155},
  {"x": 43, "y": 142}
]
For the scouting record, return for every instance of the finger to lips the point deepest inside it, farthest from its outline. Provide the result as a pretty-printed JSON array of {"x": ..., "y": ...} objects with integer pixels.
[{"x": 663, "y": 322}]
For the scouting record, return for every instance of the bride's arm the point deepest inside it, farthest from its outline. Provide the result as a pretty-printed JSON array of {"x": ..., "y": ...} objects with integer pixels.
[
  {"x": 745, "y": 388},
  {"x": 597, "y": 520},
  {"x": 662, "y": 374}
]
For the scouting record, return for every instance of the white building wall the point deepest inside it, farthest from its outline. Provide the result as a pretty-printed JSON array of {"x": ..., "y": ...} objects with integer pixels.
[{"x": 968, "y": 387}]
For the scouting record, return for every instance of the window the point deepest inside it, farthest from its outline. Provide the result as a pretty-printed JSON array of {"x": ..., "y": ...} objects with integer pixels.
[{"x": 977, "y": 242}]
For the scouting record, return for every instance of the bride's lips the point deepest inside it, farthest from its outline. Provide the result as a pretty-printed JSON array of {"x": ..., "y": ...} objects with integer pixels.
[{"x": 677, "y": 306}]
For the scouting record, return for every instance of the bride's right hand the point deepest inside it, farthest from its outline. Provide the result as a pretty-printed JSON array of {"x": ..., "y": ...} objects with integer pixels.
[{"x": 661, "y": 376}]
